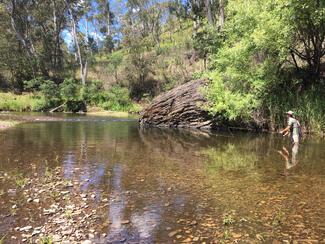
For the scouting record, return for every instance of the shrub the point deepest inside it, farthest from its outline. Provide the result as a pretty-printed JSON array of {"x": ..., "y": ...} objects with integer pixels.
[
  {"x": 94, "y": 93},
  {"x": 117, "y": 99},
  {"x": 72, "y": 94},
  {"x": 33, "y": 85},
  {"x": 51, "y": 93}
]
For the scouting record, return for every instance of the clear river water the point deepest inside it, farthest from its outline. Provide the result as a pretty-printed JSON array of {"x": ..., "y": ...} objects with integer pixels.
[{"x": 75, "y": 177}]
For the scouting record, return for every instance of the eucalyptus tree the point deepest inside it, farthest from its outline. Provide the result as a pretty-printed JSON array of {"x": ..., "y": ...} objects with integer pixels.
[
  {"x": 76, "y": 11},
  {"x": 105, "y": 19},
  {"x": 36, "y": 27}
]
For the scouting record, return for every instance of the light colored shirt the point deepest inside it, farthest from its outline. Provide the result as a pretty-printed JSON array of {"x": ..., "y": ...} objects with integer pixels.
[{"x": 294, "y": 128}]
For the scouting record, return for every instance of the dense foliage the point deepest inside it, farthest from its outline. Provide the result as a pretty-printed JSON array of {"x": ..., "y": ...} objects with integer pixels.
[
  {"x": 270, "y": 61},
  {"x": 261, "y": 56}
]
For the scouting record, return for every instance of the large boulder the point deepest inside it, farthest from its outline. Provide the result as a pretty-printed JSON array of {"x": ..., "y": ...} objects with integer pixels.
[{"x": 180, "y": 107}]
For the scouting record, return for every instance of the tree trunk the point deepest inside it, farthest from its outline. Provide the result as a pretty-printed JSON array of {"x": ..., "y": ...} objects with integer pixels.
[
  {"x": 83, "y": 66},
  {"x": 209, "y": 12},
  {"x": 222, "y": 15}
]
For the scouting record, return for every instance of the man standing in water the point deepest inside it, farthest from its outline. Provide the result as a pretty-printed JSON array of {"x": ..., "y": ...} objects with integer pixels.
[
  {"x": 295, "y": 135},
  {"x": 294, "y": 129}
]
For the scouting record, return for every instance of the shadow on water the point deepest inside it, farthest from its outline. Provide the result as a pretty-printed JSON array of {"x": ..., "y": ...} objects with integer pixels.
[{"x": 160, "y": 185}]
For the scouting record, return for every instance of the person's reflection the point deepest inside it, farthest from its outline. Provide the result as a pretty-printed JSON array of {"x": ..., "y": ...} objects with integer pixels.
[{"x": 292, "y": 161}]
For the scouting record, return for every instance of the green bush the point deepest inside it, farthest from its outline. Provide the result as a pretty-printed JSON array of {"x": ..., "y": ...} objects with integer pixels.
[
  {"x": 33, "y": 85},
  {"x": 51, "y": 93},
  {"x": 94, "y": 93},
  {"x": 117, "y": 99},
  {"x": 72, "y": 95}
]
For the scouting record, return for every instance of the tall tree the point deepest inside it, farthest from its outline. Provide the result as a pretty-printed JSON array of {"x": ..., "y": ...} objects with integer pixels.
[
  {"x": 105, "y": 18},
  {"x": 307, "y": 19},
  {"x": 75, "y": 10}
]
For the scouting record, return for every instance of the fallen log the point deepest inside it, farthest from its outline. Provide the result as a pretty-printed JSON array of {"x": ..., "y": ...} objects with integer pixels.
[
  {"x": 56, "y": 108},
  {"x": 181, "y": 107}
]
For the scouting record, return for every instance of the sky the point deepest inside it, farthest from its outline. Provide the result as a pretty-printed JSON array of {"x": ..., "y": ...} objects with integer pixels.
[{"x": 118, "y": 6}]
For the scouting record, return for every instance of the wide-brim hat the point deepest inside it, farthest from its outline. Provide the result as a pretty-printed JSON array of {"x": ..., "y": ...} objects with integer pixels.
[{"x": 290, "y": 112}]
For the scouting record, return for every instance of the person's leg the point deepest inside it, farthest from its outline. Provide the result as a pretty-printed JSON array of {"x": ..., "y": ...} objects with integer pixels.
[{"x": 295, "y": 149}]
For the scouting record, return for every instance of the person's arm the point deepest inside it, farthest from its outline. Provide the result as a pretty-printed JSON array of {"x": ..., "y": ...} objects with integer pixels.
[{"x": 285, "y": 130}]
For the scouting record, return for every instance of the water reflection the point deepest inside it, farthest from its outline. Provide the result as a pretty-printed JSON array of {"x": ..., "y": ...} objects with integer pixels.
[
  {"x": 230, "y": 157},
  {"x": 156, "y": 179},
  {"x": 116, "y": 207},
  {"x": 147, "y": 223},
  {"x": 290, "y": 161}
]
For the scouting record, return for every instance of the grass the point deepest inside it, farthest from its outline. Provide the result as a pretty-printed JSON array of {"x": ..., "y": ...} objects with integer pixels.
[
  {"x": 101, "y": 112},
  {"x": 21, "y": 181},
  {"x": 68, "y": 214},
  {"x": 2, "y": 239},
  {"x": 21, "y": 103},
  {"x": 46, "y": 240},
  {"x": 279, "y": 218},
  {"x": 29, "y": 102},
  {"x": 308, "y": 107},
  {"x": 228, "y": 219}
]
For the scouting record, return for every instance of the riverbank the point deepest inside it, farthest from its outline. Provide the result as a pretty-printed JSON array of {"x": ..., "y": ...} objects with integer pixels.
[
  {"x": 186, "y": 106},
  {"x": 37, "y": 102}
]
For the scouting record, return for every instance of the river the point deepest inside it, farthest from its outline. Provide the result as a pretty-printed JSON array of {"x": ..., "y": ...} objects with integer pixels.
[{"x": 105, "y": 180}]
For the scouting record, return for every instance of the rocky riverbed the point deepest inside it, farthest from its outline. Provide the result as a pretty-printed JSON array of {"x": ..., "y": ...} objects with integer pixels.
[{"x": 105, "y": 180}]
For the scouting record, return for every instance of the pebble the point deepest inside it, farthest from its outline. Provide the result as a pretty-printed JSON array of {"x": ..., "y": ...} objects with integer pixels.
[
  {"x": 36, "y": 200},
  {"x": 36, "y": 232},
  {"x": 193, "y": 222},
  {"x": 12, "y": 191},
  {"x": 56, "y": 238},
  {"x": 86, "y": 242},
  {"x": 67, "y": 232},
  {"x": 173, "y": 233},
  {"x": 235, "y": 235},
  {"x": 187, "y": 240},
  {"x": 26, "y": 228},
  {"x": 69, "y": 184}
]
